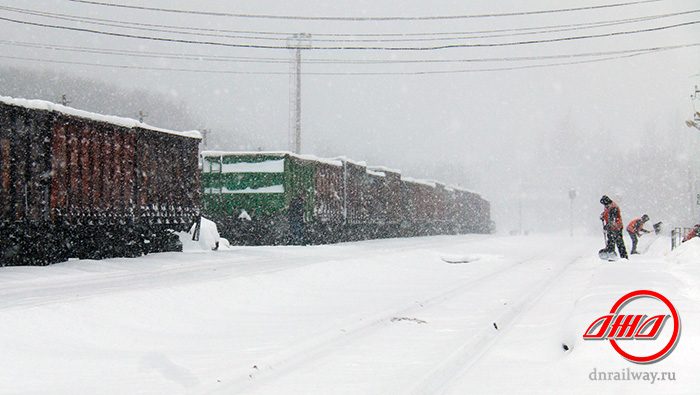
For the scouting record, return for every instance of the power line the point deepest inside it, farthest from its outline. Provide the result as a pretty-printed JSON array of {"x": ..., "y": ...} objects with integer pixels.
[
  {"x": 361, "y": 19},
  {"x": 273, "y": 60},
  {"x": 320, "y": 34},
  {"x": 423, "y": 72},
  {"x": 370, "y": 48},
  {"x": 267, "y": 35}
]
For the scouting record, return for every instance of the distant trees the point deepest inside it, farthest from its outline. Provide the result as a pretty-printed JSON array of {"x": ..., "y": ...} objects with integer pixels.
[{"x": 96, "y": 96}]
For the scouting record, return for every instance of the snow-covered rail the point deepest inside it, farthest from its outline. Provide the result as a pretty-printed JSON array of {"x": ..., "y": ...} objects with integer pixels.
[
  {"x": 374, "y": 317},
  {"x": 464, "y": 356},
  {"x": 353, "y": 330}
]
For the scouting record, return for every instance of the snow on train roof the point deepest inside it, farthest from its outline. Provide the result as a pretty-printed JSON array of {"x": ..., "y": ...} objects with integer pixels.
[
  {"x": 115, "y": 120},
  {"x": 338, "y": 161},
  {"x": 353, "y": 161},
  {"x": 418, "y": 181},
  {"x": 384, "y": 169},
  {"x": 272, "y": 153},
  {"x": 375, "y": 173}
]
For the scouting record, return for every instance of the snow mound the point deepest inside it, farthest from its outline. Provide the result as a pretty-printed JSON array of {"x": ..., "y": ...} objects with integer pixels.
[
  {"x": 659, "y": 246},
  {"x": 686, "y": 253},
  {"x": 208, "y": 238}
]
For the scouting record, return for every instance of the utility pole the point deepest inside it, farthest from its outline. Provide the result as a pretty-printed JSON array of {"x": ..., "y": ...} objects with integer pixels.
[{"x": 296, "y": 43}]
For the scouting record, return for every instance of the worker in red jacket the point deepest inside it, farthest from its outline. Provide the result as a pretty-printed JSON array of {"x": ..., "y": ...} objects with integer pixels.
[
  {"x": 612, "y": 224},
  {"x": 635, "y": 228},
  {"x": 693, "y": 233}
]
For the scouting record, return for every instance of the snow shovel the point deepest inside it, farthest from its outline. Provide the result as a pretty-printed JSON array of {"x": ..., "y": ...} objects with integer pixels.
[{"x": 604, "y": 254}]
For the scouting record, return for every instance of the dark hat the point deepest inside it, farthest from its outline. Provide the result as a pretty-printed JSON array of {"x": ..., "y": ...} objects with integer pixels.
[
  {"x": 605, "y": 200},
  {"x": 645, "y": 218}
]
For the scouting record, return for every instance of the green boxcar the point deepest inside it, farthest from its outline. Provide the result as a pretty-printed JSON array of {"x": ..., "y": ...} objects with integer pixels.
[
  {"x": 285, "y": 198},
  {"x": 249, "y": 194}
]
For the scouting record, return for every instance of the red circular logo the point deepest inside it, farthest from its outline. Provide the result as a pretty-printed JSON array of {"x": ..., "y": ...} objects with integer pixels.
[{"x": 616, "y": 326}]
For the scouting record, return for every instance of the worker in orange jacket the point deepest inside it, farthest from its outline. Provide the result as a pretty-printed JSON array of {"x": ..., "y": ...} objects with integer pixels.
[
  {"x": 695, "y": 232},
  {"x": 635, "y": 228},
  {"x": 612, "y": 224}
]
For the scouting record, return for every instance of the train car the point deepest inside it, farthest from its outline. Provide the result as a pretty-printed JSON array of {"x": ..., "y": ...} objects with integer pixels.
[
  {"x": 452, "y": 211},
  {"x": 79, "y": 184},
  {"x": 393, "y": 201},
  {"x": 260, "y": 197},
  {"x": 419, "y": 200},
  {"x": 329, "y": 202},
  {"x": 474, "y": 212},
  {"x": 285, "y": 198},
  {"x": 483, "y": 216}
]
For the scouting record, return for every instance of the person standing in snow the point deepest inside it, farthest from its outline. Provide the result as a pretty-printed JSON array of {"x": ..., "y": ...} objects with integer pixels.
[
  {"x": 693, "y": 233},
  {"x": 635, "y": 229},
  {"x": 612, "y": 224}
]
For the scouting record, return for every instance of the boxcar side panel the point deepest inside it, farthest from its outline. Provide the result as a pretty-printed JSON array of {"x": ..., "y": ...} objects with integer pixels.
[
  {"x": 300, "y": 180},
  {"x": 35, "y": 168},
  {"x": 395, "y": 208},
  {"x": 167, "y": 184},
  {"x": 59, "y": 166},
  {"x": 328, "y": 193},
  {"x": 355, "y": 184},
  {"x": 85, "y": 176},
  {"x": 5, "y": 176},
  {"x": 129, "y": 158}
]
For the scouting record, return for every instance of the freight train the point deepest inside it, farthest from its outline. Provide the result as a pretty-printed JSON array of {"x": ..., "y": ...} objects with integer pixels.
[
  {"x": 283, "y": 198},
  {"x": 79, "y": 184}
]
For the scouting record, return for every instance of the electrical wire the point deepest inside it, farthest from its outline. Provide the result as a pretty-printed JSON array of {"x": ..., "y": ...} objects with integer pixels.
[
  {"x": 318, "y": 34},
  {"x": 279, "y": 60},
  {"x": 370, "y": 48},
  {"x": 363, "y": 19},
  {"x": 285, "y": 73},
  {"x": 412, "y": 38}
]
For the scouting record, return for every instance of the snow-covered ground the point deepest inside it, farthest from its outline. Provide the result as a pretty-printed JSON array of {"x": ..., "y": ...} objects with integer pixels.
[{"x": 446, "y": 314}]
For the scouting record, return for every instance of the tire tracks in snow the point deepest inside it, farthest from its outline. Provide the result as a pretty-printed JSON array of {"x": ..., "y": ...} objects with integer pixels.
[
  {"x": 295, "y": 358},
  {"x": 443, "y": 376},
  {"x": 132, "y": 277}
]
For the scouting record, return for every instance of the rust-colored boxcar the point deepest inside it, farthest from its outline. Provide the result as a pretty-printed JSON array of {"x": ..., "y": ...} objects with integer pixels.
[
  {"x": 357, "y": 197},
  {"x": 77, "y": 184},
  {"x": 329, "y": 202}
]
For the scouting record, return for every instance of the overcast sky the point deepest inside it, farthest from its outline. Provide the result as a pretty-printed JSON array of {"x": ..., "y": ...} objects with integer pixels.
[{"x": 521, "y": 137}]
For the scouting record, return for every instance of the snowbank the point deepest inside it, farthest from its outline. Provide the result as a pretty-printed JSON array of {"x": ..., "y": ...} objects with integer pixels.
[
  {"x": 687, "y": 253},
  {"x": 208, "y": 238},
  {"x": 373, "y": 317}
]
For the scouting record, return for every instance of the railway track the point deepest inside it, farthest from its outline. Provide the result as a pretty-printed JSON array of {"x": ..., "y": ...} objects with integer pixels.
[
  {"x": 440, "y": 379},
  {"x": 354, "y": 330},
  {"x": 357, "y": 331}
]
